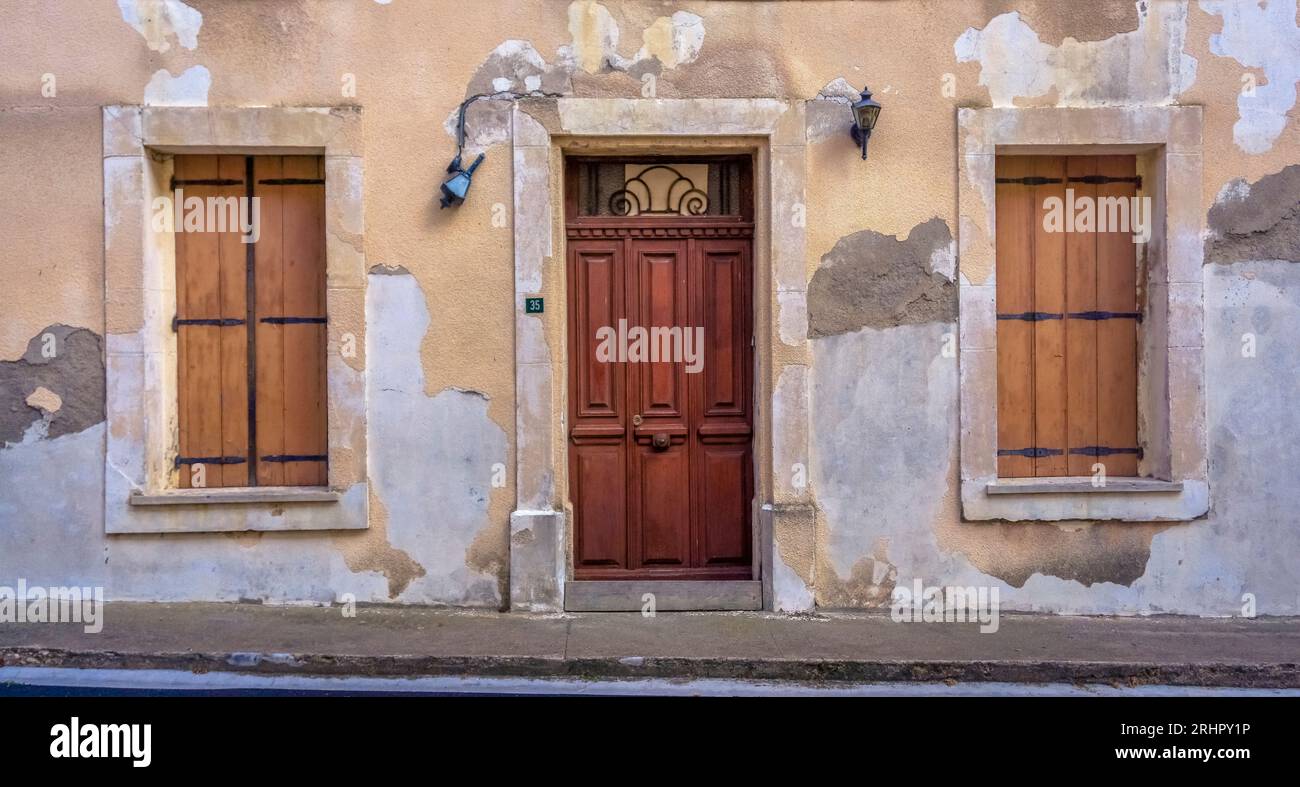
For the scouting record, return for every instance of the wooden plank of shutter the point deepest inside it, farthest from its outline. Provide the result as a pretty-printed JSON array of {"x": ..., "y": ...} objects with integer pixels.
[
  {"x": 1015, "y": 295},
  {"x": 269, "y": 287},
  {"x": 1049, "y": 335},
  {"x": 304, "y": 343},
  {"x": 1080, "y": 334},
  {"x": 292, "y": 390},
  {"x": 1117, "y": 338},
  {"x": 211, "y": 359}
]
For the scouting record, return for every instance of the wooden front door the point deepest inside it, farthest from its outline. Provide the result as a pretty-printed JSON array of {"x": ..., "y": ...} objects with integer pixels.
[{"x": 660, "y": 434}]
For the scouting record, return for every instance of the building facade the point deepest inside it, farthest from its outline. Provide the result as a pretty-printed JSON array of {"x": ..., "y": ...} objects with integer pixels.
[{"x": 1045, "y": 338}]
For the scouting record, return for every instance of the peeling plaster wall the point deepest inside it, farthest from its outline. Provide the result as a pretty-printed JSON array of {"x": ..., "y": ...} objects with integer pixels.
[{"x": 880, "y": 266}]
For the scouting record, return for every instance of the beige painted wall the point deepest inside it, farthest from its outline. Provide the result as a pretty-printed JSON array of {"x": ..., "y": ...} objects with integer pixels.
[{"x": 413, "y": 61}]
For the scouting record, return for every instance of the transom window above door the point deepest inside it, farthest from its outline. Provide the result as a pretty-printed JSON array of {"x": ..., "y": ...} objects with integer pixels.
[{"x": 648, "y": 187}]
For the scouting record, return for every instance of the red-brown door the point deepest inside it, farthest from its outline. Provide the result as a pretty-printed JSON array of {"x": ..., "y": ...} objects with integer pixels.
[{"x": 661, "y": 470}]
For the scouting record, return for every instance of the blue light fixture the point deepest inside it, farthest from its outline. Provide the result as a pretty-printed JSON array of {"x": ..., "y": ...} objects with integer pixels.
[{"x": 457, "y": 186}]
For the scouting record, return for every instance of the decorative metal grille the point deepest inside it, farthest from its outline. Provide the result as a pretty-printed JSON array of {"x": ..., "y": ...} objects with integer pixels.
[{"x": 636, "y": 198}]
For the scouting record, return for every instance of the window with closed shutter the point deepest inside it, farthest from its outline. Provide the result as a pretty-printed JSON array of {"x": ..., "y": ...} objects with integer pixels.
[
  {"x": 1068, "y": 315},
  {"x": 250, "y": 320}
]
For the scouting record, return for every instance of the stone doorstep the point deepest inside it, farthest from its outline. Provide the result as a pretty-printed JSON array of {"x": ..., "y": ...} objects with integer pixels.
[{"x": 667, "y": 596}]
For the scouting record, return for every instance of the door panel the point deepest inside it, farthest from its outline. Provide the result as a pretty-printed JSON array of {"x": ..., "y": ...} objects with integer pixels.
[
  {"x": 721, "y": 415},
  {"x": 663, "y": 513},
  {"x": 596, "y": 392},
  {"x": 600, "y": 503}
]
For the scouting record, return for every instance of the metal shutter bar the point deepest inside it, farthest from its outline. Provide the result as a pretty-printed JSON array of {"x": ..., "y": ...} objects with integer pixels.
[
  {"x": 209, "y": 460},
  {"x": 1097, "y": 315},
  {"x": 1102, "y": 450},
  {"x": 1033, "y": 453},
  {"x": 294, "y": 320}
]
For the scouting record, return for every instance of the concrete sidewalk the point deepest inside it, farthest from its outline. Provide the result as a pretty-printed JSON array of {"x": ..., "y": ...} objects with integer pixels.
[{"x": 395, "y": 641}]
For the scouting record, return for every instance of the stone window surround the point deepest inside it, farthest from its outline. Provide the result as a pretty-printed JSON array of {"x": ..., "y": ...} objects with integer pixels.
[
  {"x": 544, "y": 131},
  {"x": 142, "y": 494},
  {"x": 1171, "y": 385}
]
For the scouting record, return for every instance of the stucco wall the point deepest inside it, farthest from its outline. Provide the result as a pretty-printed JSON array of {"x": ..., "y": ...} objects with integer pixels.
[{"x": 440, "y": 323}]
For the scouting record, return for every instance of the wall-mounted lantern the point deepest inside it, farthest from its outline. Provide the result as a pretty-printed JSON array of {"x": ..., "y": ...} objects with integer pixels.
[
  {"x": 865, "y": 112},
  {"x": 457, "y": 186}
]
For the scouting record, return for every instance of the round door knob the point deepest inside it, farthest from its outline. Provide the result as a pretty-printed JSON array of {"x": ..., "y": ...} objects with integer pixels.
[{"x": 660, "y": 441}]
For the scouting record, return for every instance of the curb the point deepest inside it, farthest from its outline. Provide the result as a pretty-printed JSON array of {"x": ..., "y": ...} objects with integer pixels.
[{"x": 1225, "y": 675}]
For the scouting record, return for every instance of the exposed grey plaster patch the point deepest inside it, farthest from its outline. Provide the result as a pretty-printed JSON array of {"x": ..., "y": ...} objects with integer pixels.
[
  {"x": 1087, "y": 553},
  {"x": 157, "y": 20},
  {"x": 515, "y": 69},
  {"x": 1143, "y": 66},
  {"x": 870, "y": 585},
  {"x": 791, "y": 593},
  {"x": 883, "y": 423},
  {"x": 487, "y": 123},
  {"x": 515, "y": 66},
  {"x": 75, "y": 373},
  {"x": 1257, "y": 222},
  {"x": 431, "y": 456},
  {"x": 51, "y": 510},
  {"x": 1265, "y": 36},
  {"x": 878, "y": 281},
  {"x": 838, "y": 90},
  {"x": 642, "y": 67},
  {"x": 828, "y": 115},
  {"x": 189, "y": 89},
  {"x": 827, "y": 120},
  {"x": 389, "y": 270}
]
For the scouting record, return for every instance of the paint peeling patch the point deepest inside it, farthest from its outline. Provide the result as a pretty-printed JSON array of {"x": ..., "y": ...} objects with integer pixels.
[
  {"x": 828, "y": 115},
  {"x": 515, "y": 66},
  {"x": 870, "y": 583},
  {"x": 389, "y": 270},
  {"x": 374, "y": 553},
  {"x": 1089, "y": 553},
  {"x": 46, "y": 400},
  {"x": 190, "y": 89},
  {"x": 436, "y": 518},
  {"x": 1264, "y": 36},
  {"x": 59, "y": 358},
  {"x": 1143, "y": 66},
  {"x": 667, "y": 41},
  {"x": 1259, "y": 221},
  {"x": 158, "y": 20},
  {"x": 873, "y": 280},
  {"x": 790, "y": 592},
  {"x": 595, "y": 36},
  {"x": 673, "y": 40}
]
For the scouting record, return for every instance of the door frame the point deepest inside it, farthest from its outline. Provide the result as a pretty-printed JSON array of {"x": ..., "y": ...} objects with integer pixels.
[{"x": 772, "y": 132}]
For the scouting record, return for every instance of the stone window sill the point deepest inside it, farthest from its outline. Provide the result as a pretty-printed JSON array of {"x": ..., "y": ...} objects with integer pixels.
[
  {"x": 240, "y": 510},
  {"x": 1080, "y": 484},
  {"x": 238, "y": 495}
]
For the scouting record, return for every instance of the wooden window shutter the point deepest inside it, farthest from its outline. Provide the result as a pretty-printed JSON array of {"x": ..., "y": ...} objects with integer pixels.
[
  {"x": 290, "y": 312},
  {"x": 267, "y": 428},
  {"x": 1067, "y": 310},
  {"x": 211, "y": 330}
]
